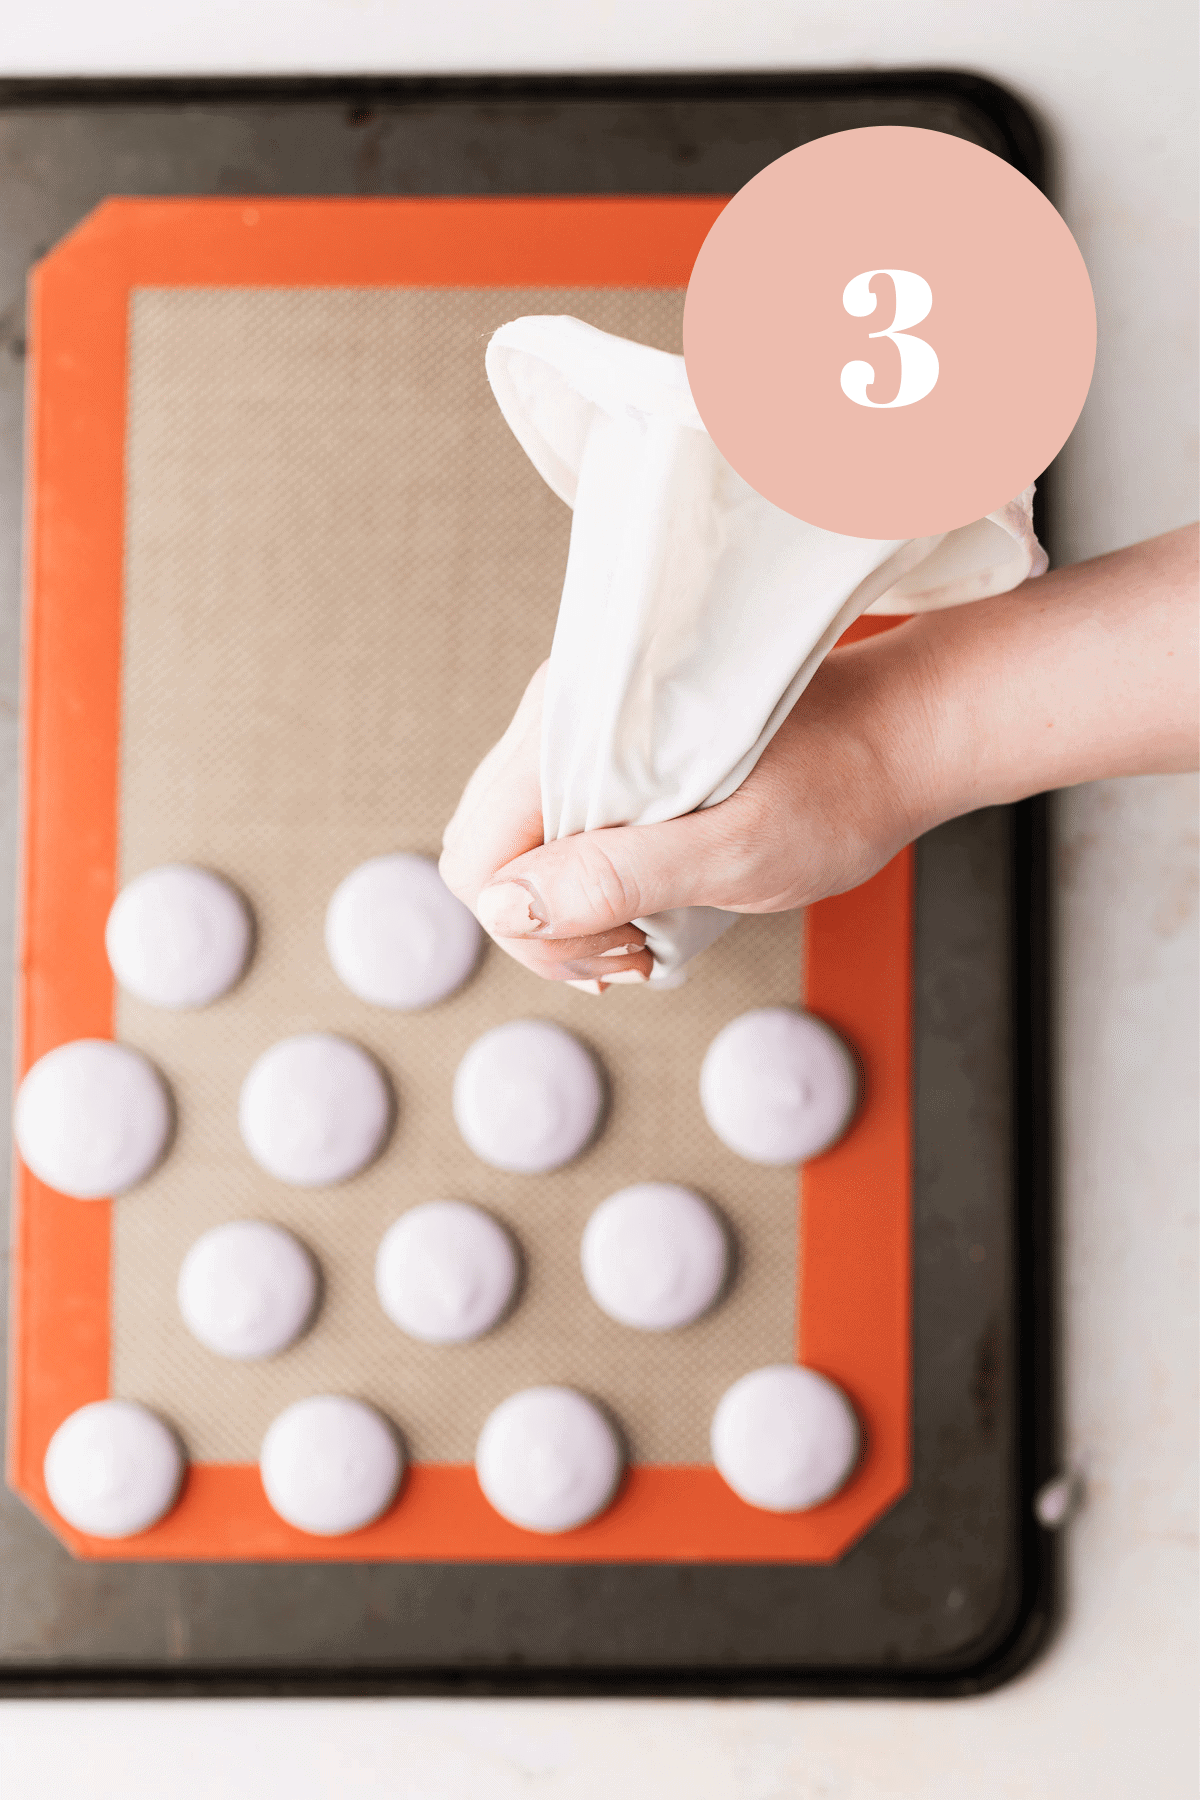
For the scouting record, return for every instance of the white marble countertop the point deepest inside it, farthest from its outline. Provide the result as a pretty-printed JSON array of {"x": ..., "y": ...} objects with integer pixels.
[{"x": 1110, "y": 1708}]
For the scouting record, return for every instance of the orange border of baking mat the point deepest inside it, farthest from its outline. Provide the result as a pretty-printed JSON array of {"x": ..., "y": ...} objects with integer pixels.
[{"x": 854, "y": 1263}]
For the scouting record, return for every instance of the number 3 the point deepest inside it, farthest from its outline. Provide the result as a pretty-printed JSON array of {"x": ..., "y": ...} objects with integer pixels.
[{"x": 918, "y": 360}]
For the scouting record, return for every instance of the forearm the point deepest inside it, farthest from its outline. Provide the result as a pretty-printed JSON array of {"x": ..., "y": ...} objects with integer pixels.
[{"x": 1087, "y": 673}]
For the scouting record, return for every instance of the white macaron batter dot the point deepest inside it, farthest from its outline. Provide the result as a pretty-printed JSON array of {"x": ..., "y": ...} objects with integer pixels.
[
  {"x": 92, "y": 1118},
  {"x": 654, "y": 1256},
  {"x": 445, "y": 1272},
  {"x": 178, "y": 936},
  {"x": 113, "y": 1469},
  {"x": 548, "y": 1459},
  {"x": 330, "y": 1465},
  {"x": 314, "y": 1110},
  {"x": 778, "y": 1085},
  {"x": 527, "y": 1097},
  {"x": 247, "y": 1289},
  {"x": 785, "y": 1438},
  {"x": 397, "y": 936}
]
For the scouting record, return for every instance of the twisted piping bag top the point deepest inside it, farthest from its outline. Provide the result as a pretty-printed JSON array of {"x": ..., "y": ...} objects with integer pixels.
[{"x": 694, "y": 613}]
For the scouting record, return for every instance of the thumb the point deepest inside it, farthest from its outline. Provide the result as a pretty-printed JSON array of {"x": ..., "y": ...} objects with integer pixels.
[{"x": 582, "y": 886}]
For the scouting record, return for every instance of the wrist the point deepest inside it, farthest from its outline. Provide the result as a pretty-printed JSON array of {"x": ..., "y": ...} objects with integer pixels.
[{"x": 914, "y": 729}]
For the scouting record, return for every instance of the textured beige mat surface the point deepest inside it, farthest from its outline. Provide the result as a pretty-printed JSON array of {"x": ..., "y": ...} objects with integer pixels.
[{"x": 341, "y": 571}]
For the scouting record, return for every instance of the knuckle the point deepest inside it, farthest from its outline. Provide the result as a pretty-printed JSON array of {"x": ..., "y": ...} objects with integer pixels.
[
  {"x": 551, "y": 954},
  {"x": 547, "y": 969},
  {"x": 603, "y": 891},
  {"x": 528, "y": 958},
  {"x": 561, "y": 959},
  {"x": 452, "y": 864}
]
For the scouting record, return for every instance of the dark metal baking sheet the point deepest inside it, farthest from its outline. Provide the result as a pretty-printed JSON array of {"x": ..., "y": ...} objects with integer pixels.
[{"x": 953, "y": 1590}]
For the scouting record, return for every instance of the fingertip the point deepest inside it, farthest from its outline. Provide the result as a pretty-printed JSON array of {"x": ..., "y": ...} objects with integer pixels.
[
  {"x": 510, "y": 909},
  {"x": 579, "y": 890}
]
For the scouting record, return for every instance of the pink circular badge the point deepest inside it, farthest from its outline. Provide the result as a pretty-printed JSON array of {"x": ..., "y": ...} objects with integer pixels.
[{"x": 889, "y": 333}]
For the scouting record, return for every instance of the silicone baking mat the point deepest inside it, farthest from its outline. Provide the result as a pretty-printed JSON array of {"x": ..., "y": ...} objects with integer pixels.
[
  {"x": 271, "y": 423},
  {"x": 286, "y": 636}
]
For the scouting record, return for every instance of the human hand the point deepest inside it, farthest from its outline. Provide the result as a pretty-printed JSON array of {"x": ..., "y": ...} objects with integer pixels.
[
  {"x": 827, "y": 804},
  {"x": 1087, "y": 673}
]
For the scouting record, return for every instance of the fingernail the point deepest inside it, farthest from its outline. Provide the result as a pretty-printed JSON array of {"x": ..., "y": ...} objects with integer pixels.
[
  {"x": 628, "y": 976},
  {"x": 589, "y": 987},
  {"x": 623, "y": 950},
  {"x": 510, "y": 910}
]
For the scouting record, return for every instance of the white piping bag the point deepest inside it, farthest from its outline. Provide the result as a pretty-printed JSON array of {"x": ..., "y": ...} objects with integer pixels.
[{"x": 694, "y": 613}]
